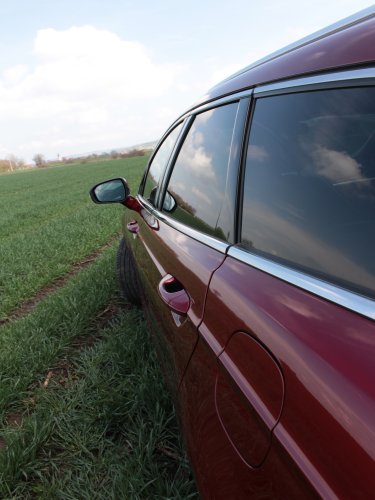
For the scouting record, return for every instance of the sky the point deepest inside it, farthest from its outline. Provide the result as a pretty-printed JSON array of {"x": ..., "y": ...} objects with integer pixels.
[{"x": 78, "y": 76}]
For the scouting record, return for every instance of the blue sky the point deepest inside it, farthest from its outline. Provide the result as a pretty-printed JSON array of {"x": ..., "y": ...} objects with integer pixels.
[{"x": 84, "y": 75}]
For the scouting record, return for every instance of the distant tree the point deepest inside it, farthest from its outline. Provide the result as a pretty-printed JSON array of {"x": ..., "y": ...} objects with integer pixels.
[
  {"x": 114, "y": 154},
  {"x": 15, "y": 163},
  {"x": 134, "y": 152},
  {"x": 39, "y": 160},
  {"x": 4, "y": 166},
  {"x": 11, "y": 163}
]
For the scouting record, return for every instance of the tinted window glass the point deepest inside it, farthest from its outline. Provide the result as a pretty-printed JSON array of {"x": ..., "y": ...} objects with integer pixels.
[
  {"x": 158, "y": 164},
  {"x": 199, "y": 177},
  {"x": 309, "y": 194}
]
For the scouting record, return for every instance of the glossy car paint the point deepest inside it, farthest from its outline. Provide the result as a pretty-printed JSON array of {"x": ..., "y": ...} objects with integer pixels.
[
  {"x": 251, "y": 387},
  {"x": 220, "y": 471},
  {"x": 326, "y": 354},
  {"x": 162, "y": 252}
]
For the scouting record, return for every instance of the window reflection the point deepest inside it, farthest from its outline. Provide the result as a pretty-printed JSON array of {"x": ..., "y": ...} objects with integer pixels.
[
  {"x": 158, "y": 165},
  {"x": 199, "y": 177},
  {"x": 309, "y": 195}
]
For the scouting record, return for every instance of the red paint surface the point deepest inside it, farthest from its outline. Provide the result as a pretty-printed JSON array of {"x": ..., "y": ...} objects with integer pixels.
[
  {"x": 327, "y": 355},
  {"x": 220, "y": 471},
  {"x": 161, "y": 250},
  {"x": 132, "y": 203},
  {"x": 249, "y": 396}
]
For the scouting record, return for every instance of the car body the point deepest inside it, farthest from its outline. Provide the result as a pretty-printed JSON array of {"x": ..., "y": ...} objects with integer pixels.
[{"x": 253, "y": 236}]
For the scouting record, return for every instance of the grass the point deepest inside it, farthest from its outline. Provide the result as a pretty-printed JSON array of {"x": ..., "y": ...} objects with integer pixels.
[
  {"x": 83, "y": 408},
  {"x": 48, "y": 222},
  {"x": 30, "y": 345},
  {"x": 104, "y": 430}
]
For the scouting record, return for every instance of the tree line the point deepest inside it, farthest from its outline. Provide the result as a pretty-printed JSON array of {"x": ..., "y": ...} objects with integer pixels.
[{"x": 12, "y": 162}]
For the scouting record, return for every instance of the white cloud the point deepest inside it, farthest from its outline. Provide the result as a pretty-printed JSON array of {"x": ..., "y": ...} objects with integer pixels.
[
  {"x": 15, "y": 74},
  {"x": 198, "y": 161},
  {"x": 84, "y": 60},
  {"x": 336, "y": 166},
  {"x": 85, "y": 88},
  {"x": 257, "y": 153}
]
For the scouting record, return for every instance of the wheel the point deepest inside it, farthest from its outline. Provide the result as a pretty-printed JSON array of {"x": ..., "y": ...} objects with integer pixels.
[{"x": 127, "y": 274}]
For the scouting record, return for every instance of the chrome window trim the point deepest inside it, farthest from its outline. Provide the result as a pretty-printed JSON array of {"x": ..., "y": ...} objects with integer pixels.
[
  {"x": 361, "y": 76},
  {"x": 146, "y": 203},
  {"x": 328, "y": 291},
  {"x": 220, "y": 101},
  {"x": 332, "y": 79},
  {"x": 199, "y": 107},
  {"x": 207, "y": 240}
]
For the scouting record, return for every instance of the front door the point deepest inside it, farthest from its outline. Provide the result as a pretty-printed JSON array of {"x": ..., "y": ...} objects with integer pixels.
[{"x": 182, "y": 238}]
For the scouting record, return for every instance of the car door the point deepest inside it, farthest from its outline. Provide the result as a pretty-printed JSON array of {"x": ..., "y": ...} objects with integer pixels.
[
  {"x": 184, "y": 228},
  {"x": 280, "y": 391}
]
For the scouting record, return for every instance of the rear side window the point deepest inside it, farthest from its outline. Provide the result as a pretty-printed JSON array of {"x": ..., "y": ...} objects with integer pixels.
[
  {"x": 158, "y": 165},
  {"x": 199, "y": 177},
  {"x": 309, "y": 190}
]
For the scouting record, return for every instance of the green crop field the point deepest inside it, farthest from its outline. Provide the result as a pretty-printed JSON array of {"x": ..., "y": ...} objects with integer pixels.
[
  {"x": 48, "y": 223},
  {"x": 83, "y": 409}
]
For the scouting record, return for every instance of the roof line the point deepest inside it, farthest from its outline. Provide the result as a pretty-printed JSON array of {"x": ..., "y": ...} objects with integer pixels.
[{"x": 360, "y": 16}]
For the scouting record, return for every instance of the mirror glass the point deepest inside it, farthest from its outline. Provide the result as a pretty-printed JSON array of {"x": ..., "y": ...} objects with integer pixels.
[
  {"x": 111, "y": 191},
  {"x": 169, "y": 202}
]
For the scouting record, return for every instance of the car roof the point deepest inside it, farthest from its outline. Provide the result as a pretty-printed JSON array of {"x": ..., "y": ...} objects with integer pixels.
[{"x": 346, "y": 44}]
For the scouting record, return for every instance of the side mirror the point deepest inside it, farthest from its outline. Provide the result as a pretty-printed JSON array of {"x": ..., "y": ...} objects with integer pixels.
[{"x": 111, "y": 191}]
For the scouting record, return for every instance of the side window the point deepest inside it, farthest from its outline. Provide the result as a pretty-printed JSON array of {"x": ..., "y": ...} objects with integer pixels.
[
  {"x": 158, "y": 164},
  {"x": 309, "y": 190},
  {"x": 197, "y": 186}
]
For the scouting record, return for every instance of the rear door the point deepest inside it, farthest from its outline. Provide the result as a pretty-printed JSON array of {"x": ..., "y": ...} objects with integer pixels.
[
  {"x": 185, "y": 227},
  {"x": 280, "y": 392}
]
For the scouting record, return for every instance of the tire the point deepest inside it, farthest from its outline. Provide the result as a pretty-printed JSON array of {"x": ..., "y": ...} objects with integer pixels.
[{"x": 127, "y": 274}]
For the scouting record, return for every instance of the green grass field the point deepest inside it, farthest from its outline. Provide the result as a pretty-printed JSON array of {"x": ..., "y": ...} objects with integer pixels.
[
  {"x": 83, "y": 409},
  {"x": 48, "y": 222}
]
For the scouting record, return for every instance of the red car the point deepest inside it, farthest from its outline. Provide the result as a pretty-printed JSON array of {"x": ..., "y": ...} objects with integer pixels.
[{"x": 251, "y": 243}]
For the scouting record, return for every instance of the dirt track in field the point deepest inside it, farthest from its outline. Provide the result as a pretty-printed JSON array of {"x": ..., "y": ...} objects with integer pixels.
[{"x": 27, "y": 306}]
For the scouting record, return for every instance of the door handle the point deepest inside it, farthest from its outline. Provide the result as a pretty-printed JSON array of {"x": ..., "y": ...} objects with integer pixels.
[
  {"x": 174, "y": 295},
  {"x": 133, "y": 227}
]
